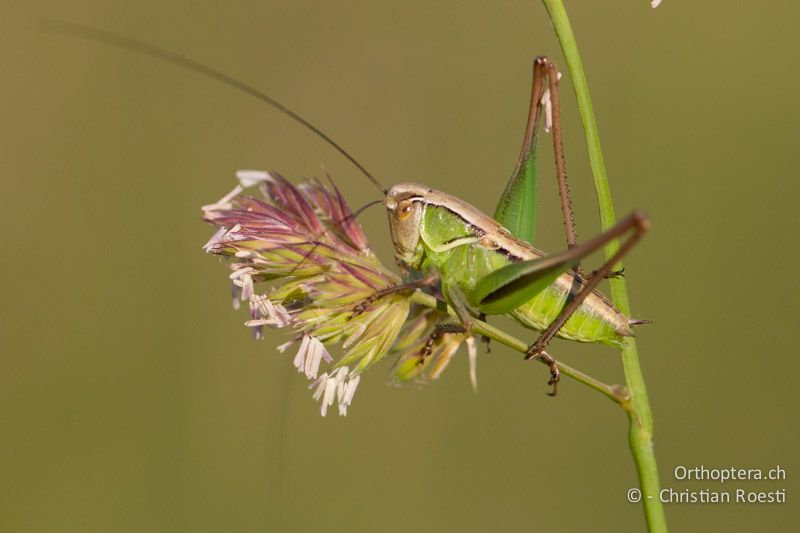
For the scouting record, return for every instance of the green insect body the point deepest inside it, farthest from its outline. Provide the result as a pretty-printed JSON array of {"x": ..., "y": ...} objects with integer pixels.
[
  {"x": 431, "y": 229},
  {"x": 484, "y": 265}
]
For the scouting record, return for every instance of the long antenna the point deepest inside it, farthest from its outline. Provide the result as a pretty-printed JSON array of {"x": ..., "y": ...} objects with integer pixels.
[{"x": 133, "y": 45}]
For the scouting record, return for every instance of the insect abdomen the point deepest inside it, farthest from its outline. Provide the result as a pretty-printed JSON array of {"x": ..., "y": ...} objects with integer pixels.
[{"x": 596, "y": 320}]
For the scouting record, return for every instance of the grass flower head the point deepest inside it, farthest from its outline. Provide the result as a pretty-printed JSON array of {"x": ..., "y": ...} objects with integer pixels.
[{"x": 301, "y": 261}]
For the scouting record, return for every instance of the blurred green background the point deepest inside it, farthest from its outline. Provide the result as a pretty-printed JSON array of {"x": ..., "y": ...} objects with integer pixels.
[{"x": 133, "y": 399}]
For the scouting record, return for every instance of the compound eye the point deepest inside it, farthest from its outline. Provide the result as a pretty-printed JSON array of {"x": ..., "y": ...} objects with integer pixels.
[{"x": 404, "y": 209}]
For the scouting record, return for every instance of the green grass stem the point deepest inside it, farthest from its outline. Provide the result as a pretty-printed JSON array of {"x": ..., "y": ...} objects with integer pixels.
[{"x": 637, "y": 407}]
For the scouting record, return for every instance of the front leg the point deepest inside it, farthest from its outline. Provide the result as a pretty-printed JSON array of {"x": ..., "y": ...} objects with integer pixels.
[
  {"x": 431, "y": 278},
  {"x": 458, "y": 301}
]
